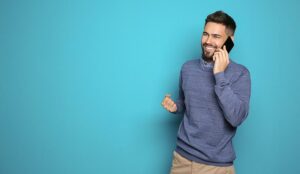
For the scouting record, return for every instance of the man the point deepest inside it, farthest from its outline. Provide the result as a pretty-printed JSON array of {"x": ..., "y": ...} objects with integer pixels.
[{"x": 214, "y": 94}]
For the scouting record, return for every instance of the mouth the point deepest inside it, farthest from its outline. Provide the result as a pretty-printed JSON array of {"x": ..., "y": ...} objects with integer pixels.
[{"x": 209, "y": 48}]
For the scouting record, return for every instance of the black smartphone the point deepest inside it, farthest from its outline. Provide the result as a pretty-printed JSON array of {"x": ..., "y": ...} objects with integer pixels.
[{"x": 229, "y": 44}]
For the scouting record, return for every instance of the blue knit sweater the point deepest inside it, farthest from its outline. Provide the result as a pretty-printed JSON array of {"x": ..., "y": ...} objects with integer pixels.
[{"x": 214, "y": 105}]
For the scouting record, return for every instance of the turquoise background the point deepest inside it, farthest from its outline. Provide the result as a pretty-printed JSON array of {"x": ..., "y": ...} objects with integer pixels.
[{"x": 81, "y": 83}]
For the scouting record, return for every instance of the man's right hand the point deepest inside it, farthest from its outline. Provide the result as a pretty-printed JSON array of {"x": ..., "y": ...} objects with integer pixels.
[{"x": 169, "y": 104}]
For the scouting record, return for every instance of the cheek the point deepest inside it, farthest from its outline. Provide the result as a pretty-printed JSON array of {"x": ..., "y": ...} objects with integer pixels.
[
  {"x": 220, "y": 43},
  {"x": 202, "y": 40}
]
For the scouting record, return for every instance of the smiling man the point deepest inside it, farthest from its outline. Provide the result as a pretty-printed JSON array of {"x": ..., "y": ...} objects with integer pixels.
[{"x": 214, "y": 94}]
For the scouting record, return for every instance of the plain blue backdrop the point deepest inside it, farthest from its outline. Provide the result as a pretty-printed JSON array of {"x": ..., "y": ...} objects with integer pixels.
[{"x": 81, "y": 83}]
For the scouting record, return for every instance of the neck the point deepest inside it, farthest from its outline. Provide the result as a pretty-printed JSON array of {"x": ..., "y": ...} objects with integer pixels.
[{"x": 207, "y": 59}]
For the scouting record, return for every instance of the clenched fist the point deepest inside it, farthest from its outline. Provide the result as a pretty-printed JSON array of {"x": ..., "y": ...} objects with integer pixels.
[{"x": 169, "y": 104}]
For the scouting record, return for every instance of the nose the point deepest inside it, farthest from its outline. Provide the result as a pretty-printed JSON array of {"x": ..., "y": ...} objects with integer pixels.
[{"x": 207, "y": 40}]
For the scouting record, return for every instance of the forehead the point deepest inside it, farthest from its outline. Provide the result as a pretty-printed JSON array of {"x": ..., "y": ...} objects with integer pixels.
[{"x": 215, "y": 28}]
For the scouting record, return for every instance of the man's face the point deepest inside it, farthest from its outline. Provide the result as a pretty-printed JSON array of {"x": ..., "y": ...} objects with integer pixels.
[{"x": 213, "y": 37}]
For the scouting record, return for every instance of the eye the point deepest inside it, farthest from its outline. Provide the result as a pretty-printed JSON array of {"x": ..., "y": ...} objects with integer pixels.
[{"x": 217, "y": 36}]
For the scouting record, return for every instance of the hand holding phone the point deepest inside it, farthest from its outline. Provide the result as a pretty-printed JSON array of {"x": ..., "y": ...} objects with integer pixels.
[{"x": 221, "y": 57}]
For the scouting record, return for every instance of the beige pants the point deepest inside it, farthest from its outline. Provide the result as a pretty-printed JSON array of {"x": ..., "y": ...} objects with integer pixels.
[{"x": 181, "y": 165}]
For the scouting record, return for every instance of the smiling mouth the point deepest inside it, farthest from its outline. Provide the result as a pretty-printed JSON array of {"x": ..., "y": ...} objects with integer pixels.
[{"x": 209, "y": 48}]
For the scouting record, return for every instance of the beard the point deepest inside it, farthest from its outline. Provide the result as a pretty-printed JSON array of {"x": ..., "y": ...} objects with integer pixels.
[{"x": 208, "y": 55}]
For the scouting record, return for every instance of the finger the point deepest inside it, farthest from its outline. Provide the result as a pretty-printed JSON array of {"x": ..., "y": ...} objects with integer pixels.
[
  {"x": 174, "y": 107},
  {"x": 170, "y": 108},
  {"x": 227, "y": 59},
  {"x": 221, "y": 51},
  {"x": 166, "y": 104},
  {"x": 218, "y": 55},
  {"x": 165, "y": 101},
  {"x": 218, "y": 49},
  {"x": 170, "y": 103},
  {"x": 226, "y": 52},
  {"x": 224, "y": 57},
  {"x": 224, "y": 48},
  {"x": 215, "y": 57},
  {"x": 167, "y": 96}
]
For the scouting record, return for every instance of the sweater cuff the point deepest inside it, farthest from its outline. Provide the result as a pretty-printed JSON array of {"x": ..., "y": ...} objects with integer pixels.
[
  {"x": 220, "y": 79},
  {"x": 178, "y": 108}
]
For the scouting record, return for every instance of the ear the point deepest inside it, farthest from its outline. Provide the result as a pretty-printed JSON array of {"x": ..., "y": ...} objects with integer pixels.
[{"x": 232, "y": 38}]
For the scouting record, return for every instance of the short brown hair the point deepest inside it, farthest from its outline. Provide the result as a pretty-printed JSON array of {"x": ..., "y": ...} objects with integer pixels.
[{"x": 221, "y": 17}]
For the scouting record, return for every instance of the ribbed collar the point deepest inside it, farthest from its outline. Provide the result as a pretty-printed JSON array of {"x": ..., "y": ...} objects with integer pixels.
[{"x": 206, "y": 66}]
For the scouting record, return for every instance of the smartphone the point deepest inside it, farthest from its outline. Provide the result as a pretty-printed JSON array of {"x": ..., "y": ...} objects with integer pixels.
[{"x": 229, "y": 44}]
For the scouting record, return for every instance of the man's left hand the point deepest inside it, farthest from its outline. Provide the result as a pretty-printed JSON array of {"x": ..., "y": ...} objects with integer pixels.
[{"x": 221, "y": 59}]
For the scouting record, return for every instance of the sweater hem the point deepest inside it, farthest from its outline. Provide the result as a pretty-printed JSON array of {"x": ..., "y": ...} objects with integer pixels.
[{"x": 198, "y": 160}]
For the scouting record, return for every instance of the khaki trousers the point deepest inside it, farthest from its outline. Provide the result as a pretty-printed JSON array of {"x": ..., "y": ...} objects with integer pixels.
[{"x": 181, "y": 165}]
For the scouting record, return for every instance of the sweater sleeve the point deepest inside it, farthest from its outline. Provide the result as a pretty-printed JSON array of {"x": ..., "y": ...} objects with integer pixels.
[
  {"x": 234, "y": 97},
  {"x": 180, "y": 100}
]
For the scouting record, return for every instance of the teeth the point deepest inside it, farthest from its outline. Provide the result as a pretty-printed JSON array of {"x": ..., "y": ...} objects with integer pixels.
[{"x": 209, "y": 48}]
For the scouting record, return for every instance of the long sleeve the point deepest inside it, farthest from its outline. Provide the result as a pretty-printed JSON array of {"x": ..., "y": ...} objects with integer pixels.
[
  {"x": 180, "y": 100},
  {"x": 234, "y": 98}
]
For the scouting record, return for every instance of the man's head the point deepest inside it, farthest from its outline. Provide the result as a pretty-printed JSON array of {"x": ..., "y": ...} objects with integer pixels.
[{"x": 218, "y": 27}]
